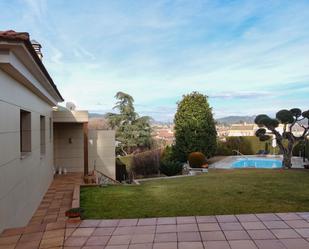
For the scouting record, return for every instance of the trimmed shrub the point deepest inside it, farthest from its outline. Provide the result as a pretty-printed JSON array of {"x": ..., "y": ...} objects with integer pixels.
[
  {"x": 196, "y": 159},
  {"x": 169, "y": 166},
  {"x": 146, "y": 163}
]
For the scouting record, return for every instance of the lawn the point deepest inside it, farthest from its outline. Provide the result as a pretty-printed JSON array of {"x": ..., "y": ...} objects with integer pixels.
[{"x": 218, "y": 192}]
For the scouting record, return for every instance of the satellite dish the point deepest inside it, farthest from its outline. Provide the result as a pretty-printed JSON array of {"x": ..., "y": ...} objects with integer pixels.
[{"x": 70, "y": 106}]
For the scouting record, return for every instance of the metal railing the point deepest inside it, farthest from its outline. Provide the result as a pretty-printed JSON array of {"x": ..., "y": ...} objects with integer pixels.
[{"x": 240, "y": 154}]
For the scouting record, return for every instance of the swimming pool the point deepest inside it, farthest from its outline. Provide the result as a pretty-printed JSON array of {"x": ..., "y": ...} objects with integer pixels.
[{"x": 259, "y": 163}]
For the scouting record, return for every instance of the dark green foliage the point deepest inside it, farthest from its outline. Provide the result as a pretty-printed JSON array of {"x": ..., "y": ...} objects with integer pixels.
[
  {"x": 285, "y": 140},
  {"x": 132, "y": 132},
  {"x": 285, "y": 116},
  {"x": 305, "y": 114},
  {"x": 264, "y": 137},
  {"x": 146, "y": 163},
  {"x": 270, "y": 123},
  {"x": 222, "y": 149},
  {"x": 259, "y": 118},
  {"x": 121, "y": 171},
  {"x": 194, "y": 127},
  {"x": 296, "y": 112},
  {"x": 260, "y": 132},
  {"x": 170, "y": 168},
  {"x": 246, "y": 145},
  {"x": 168, "y": 165},
  {"x": 196, "y": 159}
]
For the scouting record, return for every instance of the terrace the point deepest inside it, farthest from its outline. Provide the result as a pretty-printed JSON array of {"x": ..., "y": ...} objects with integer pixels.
[{"x": 49, "y": 227}]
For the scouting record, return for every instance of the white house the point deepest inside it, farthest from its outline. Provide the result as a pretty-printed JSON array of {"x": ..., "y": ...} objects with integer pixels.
[{"x": 27, "y": 162}]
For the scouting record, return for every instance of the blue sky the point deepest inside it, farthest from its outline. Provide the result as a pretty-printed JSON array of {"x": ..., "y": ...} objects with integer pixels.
[{"x": 249, "y": 57}]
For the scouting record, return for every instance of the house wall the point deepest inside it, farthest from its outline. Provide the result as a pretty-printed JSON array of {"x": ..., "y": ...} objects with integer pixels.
[
  {"x": 23, "y": 180},
  {"x": 101, "y": 149},
  {"x": 69, "y": 146}
]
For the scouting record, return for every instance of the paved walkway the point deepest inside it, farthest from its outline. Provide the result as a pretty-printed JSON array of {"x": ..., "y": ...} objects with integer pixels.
[{"x": 49, "y": 229}]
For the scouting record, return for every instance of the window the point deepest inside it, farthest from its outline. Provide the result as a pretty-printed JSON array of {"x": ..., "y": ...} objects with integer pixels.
[
  {"x": 42, "y": 135},
  {"x": 25, "y": 131}
]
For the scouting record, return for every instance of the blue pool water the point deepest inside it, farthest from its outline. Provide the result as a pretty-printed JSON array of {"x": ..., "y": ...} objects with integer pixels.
[{"x": 259, "y": 163}]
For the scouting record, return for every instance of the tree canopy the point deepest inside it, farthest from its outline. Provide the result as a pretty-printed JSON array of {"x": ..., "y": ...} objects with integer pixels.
[
  {"x": 132, "y": 131},
  {"x": 194, "y": 127},
  {"x": 288, "y": 118}
]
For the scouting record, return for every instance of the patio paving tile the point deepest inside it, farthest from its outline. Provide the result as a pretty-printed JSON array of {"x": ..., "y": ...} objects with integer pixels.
[
  {"x": 83, "y": 231},
  {"x": 98, "y": 240},
  {"x": 298, "y": 223},
  {"x": 88, "y": 247},
  {"x": 75, "y": 241},
  {"x": 216, "y": 245},
  {"x": 269, "y": 244},
  {"x": 124, "y": 231},
  {"x": 165, "y": 245},
  {"x": 7, "y": 246},
  {"x": 295, "y": 243},
  {"x": 285, "y": 233},
  {"x": 128, "y": 222},
  {"x": 51, "y": 242},
  {"x": 141, "y": 246},
  {"x": 288, "y": 216},
  {"x": 145, "y": 229},
  {"x": 206, "y": 219},
  {"x": 166, "y": 221},
  {"x": 103, "y": 231},
  {"x": 117, "y": 247},
  {"x": 13, "y": 231},
  {"x": 9, "y": 239},
  {"x": 226, "y": 218},
  {"x": 31, "y": 237},
  {"x": 188, "y": 236},
  {"x": 209, "y": 227},
  {"x": 147, "y": 222},
  {"x": 247, "y": 217},
  {"x": 303, "y": 232},
  {"x": 49, "y": 229},
  {"x": 187, "y": 228},
  {"x": 90, "y": 223},
  {"x": 68, "y": 232},
  {"x": 213, "y": 235},
  {"x": 236, "y": 235},
  {"x": 142, "y": 238},
  {"x": 166, "y": 237},
  {"x": 242, "y": 244},
  {"x": 55, "y": 225},
  {"x": 231, "y": 226},
  {"x": 120, "y": 240},
  {"x": 253, "y": 225},
  {"x": 190, "y": 245},
  {"x": 35, "y": 228},
  {"x": 109, "y": 223},
  {"x": 261, "y": 234},
  {"x": 275, "y": 224},
  {"x": 166, "y": 228},
  {"x": 28, "y": 245},
  {"x": 186, "y": 220},
  {"x": 267, "y": 217}
]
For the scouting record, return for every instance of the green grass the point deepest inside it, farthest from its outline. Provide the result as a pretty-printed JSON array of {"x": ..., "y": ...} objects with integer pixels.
[{"x": 218, "y": 192}]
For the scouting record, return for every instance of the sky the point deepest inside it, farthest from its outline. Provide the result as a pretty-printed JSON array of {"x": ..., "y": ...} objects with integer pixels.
[{"x": 248, "y": 57}]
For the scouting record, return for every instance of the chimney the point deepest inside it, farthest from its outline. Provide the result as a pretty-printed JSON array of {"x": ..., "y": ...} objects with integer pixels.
[{"x": 37, "y": 47}]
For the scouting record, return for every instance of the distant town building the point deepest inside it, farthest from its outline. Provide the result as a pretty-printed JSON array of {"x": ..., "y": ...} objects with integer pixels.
[
  {"x": 163, "y": 134},
  {"x": 240, "y": 130}
]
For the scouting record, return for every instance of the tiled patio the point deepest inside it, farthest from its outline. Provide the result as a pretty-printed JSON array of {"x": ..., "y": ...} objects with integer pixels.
[{"x": 49, "y": 229}]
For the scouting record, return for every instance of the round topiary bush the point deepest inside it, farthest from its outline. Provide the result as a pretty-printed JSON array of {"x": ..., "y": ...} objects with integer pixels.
[{"x": 197, "y": 159}]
